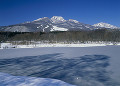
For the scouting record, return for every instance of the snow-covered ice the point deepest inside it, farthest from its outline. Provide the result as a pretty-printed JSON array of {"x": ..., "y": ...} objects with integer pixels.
[
  {"x": 82, "y": 66},
  {"x": 9, "y": 80}
]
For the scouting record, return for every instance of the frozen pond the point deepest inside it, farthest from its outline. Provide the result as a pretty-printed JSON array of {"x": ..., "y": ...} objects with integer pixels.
[{"x": 83, "y": 66}]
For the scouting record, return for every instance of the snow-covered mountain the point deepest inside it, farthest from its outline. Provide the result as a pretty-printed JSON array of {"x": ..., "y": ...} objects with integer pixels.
[
  {"x": 105, "y": 25},
  {"x": 57, "y": 19},
  {"x": 56, "y": 23}
]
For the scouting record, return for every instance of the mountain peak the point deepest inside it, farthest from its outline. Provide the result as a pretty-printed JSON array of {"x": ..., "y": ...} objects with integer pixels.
[
  {"x": 72, "y": 20},
  {"x": 57, "y": 19},
  {"x": 105, "y": 25}
]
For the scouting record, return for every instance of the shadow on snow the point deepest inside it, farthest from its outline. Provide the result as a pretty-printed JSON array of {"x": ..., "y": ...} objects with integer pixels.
[{"x": 88, "y": 70}]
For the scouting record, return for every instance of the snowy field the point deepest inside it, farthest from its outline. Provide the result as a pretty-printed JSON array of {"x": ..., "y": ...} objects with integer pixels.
[{"x": 80, "y": 66}]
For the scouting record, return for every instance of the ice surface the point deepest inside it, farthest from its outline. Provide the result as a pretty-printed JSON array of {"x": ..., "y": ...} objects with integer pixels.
[
  {"x": 82, "y": 66},
  {"x": 9, "y": 80}
]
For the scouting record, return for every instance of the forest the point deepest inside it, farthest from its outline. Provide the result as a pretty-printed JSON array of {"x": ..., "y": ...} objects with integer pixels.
[{"x": 62, "y": 37}]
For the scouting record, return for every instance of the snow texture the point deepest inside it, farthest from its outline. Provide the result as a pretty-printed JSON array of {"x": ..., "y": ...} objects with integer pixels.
[
  {"x": 7, "y": 46},
  {"x": 9, "y": 80},
  {"x": 63, "y": 45},
  {"x": 57, "y": 19},
  {"x": 105, "y": 25},
  {"x": 75, "y": 21},
  {"x": 40, "y": 19},
  {"x": 55, "y": 28},
  {"x": 81, "y": 66}
]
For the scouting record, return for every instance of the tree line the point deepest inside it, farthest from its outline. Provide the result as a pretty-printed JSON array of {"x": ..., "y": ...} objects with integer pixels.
[{"x": 66, "y": 37}]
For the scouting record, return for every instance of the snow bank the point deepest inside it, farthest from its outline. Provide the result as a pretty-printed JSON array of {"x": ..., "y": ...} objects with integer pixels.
[
  {"x": 39, "y": 44},
  {"x": 61, "y": 45},
  {"x": 7, "y": 45}
]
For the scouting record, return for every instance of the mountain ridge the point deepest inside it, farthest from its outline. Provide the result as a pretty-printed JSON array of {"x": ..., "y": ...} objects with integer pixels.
[
  {"x": 105, "y": 25},
  {"x": 56, "y": 23}
]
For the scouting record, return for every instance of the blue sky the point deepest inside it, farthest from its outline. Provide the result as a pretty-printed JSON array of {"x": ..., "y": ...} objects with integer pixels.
[{"x": 86, "y": 11}]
